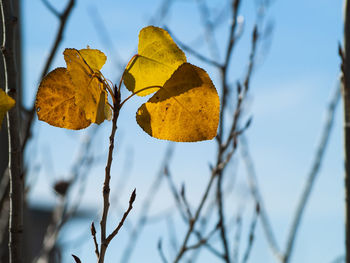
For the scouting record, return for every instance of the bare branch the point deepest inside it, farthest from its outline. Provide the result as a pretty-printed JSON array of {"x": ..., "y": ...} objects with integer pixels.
[
  {"x": 116, "y": 230},
  {"x": 314, "y": 171},
  {"x": 93, "y": 233},
  {"x": 254, "y": 188},
  {"x": 10, "y": 70},
  {"x": 63, "y": 17},
  {"x": 136, "y": 231},
  {"x": 251, "y": 234}
]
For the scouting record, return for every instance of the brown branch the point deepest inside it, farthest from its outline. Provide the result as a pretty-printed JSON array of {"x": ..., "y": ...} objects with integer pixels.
[
  {"x": 346, "y": 99},
  {"x": 116, "y": 230},
  {"x": 106, "y": 187},
  {"x": 93, "y": 233},
  {"x": 63, "y": 17},
  {"x": 15, "y": 154},
  {"x": 195, "y": 218}
]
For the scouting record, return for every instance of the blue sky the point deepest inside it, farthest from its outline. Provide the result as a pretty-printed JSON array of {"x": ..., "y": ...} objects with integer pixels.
[{"x": 289, "y": 93}]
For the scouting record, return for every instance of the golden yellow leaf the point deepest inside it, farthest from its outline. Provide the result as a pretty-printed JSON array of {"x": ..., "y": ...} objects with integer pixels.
[
  {"x": 158, "y": 57},
  {"x": 6, "y": 103},
  {"x": 55, "y": 102},
  {"x": 94, "y": 58},
  {"x": 185, "y": 109},
  {"x": 90, "y": 93}
]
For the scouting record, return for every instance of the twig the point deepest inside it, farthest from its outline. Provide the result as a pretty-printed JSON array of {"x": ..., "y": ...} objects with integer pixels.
[
  {"x": 93, "y": 233},
  {"x": 160, "y": 250},
  {"x": 15, "y": 154},
  {"x": 237, "y": 238},
  {"x": 115, "y": 232},
  {"x": 176, "y": 196},
  {"x": 136, "y": 231},
  {"x": 251, "y": 234},
  {"x": 346, "y": 98},
  {"x": 195, "y": 53},
  {"x": 195, "y": 218},
  {"x": 106, "y": 187},
  {"x": 312, "y": 175},
  {"x": 51, "y": 8},
  {"x": 208, "y": 28},
  {"x": 254, "y": 188},
  {"x": 63, "y": 17}
]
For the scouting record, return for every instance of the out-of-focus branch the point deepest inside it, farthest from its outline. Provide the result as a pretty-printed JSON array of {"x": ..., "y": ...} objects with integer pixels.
[
  {"x": 251, "y": 234},
  {"x": 346, "y": 98},
  {"x": 161, "y": 252},
  {"x": 63, "y": 17},
  {"x": 142, "y": 220},
  {"x": 61, "y": 214},
  {"x": 254, "y": 188},
  {"x": 314, "y": 171},
  {"x": 8, "y": 47},
  {"x": 194, "y": 52},
  {"x": 310, "y": 180},
  {"x": 208, "y": 28}
]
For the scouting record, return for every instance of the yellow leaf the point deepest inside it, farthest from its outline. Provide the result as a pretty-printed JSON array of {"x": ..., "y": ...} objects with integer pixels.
[
  {"x": 55, "y": 102},
  {"x": 185, "y": 109},
  {"x": 6, "y": 103},
  {"x": 158, "y": 57},
  {"x": 94, "y": 58},
  {"x": 90, "y": 94}
]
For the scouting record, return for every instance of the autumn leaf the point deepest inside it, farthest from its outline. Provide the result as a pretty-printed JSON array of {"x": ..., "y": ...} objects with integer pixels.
[
  {"x": 90, "y": 94},
  {"x": 55, "y": 102},
  {"x": 158, "y": 57},
  {"x": 185, "y": 109},
  {"x": 76, "y": 96},
  {"x": 6, "y": 103}
]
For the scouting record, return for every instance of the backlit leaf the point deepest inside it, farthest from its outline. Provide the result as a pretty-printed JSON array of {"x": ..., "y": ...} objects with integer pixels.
[
  {"x": 55, "y": 102},
  {"x": 90, "y": 94},
  {"x": 6, "y": 103},
  {"x": 158, "y": 57},
  {"x": 185, "y": 109}
]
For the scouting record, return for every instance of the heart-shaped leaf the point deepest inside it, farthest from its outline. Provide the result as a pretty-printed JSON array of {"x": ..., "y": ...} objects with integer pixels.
[
  {"x": 158, "y": 57},
  {"x": 185, "y": 109},
  {"x": 55, "y": 102},
  {"x": 90, "y": 94}
]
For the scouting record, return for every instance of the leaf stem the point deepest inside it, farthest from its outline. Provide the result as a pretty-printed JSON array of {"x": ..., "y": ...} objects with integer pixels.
[
  {"x": 127, "y": 65},
  {"x": 132, "y": 95}
]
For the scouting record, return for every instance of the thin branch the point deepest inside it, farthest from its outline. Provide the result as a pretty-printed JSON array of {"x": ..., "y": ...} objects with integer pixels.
[
  {"x": 106, "y": 184},
  {"x": 254, "y": 188},
  {"x": 251, "y": 234},
  {"x": 93, "y": 233},
  {"x": 195, "y": 218},
  {"x": 314, "y": 171},
  {"x": 193, "y": 52},
  {"x": 155, "y": 186},
  {"x": 116, "y": 230},
  {"x": 10, "y": 70},
  {"x": 161, "y": 253},
  {"x": 237, "y": 238},
  {"x": 63, "y": 17},
  {"x": 51, "y": 8}
]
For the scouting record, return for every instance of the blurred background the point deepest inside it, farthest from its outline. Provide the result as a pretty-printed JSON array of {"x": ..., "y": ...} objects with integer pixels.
[{"x": 291, "y": 100}]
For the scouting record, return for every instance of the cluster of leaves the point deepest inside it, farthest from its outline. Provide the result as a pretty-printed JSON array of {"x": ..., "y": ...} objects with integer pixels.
[
  {"x": 6, "y": 103},
  {"x": 185, "y": 106}
]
